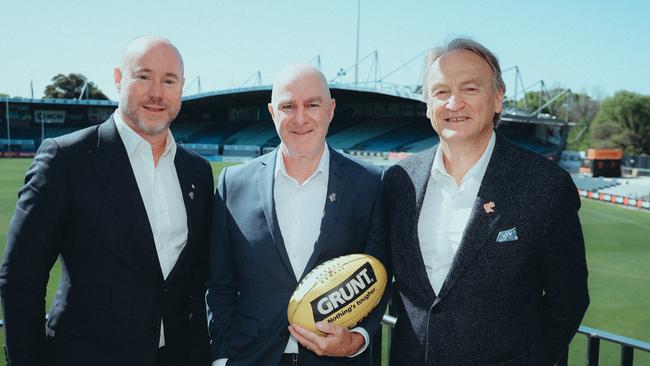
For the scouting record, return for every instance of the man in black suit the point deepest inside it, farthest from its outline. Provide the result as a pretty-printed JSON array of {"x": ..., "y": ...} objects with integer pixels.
[
  {"x": 127, "y": 210},
  {"x": 487, "y": 248},
  {"x": 279, "y": 216}
]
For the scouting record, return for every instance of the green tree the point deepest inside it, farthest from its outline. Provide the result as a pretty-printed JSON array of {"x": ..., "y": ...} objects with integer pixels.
[
  {"x": 70, "y": 87},
  {"x": 3, "y": 95},
  {"x": 623, "y": 121}
]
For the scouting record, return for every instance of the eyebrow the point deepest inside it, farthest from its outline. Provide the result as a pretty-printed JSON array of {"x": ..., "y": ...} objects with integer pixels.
[
  {"x": 145, "y": 70},
  {"x": 308, "y": 100},
  {"x": 470, "y": 81}
]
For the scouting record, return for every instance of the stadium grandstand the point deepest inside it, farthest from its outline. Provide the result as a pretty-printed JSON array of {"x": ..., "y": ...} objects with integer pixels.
[{"x": 236, "y": 123}]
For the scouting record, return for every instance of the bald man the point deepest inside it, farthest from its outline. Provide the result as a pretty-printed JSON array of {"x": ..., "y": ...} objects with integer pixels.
[
  {"x": 279, "y": 216},
  {"x": 127, "y": 211}
]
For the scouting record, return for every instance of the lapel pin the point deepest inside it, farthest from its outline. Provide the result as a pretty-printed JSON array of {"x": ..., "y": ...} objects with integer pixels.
[
  {"x": 191, "y": 194},
  {"x": 332, "y": 197},
  {"x": 489, "y": 207}
]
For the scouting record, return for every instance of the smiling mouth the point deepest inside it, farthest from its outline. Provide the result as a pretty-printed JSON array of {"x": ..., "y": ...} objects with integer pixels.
[
  {"x": 456, "y": 119},
  {"x": 301, "y": 133},
  {"x": 153, "y": 108}
]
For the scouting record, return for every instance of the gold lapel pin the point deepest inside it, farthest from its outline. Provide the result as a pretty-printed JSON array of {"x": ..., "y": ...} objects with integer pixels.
[
  {"x": 332, "y": 197},
  {"x": 489, "y": 207}
]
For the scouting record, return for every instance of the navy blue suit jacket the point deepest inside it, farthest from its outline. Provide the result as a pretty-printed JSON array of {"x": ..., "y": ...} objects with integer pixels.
[
  {"x": 513, "y": 302},
  {"x": 81, "y": 202},
  {"x": 251, "y": 278}
]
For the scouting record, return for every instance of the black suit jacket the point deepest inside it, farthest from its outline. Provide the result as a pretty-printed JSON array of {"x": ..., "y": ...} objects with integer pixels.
[
  {"x": 503, "y": 302},
  {"x": 81, "y": 202},
  {"x": 251, "y": 278}
]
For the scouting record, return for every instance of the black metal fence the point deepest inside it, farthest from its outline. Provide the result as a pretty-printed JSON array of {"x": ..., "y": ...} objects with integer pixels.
[{"x": 594, "y": 336}]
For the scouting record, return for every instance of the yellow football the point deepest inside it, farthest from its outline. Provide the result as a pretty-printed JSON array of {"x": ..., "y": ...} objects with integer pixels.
[{"x": 341, "y": 291}]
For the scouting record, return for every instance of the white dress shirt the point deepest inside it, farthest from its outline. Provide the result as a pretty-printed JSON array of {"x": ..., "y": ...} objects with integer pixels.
[
  {"x": 161, "y": 194},
  {"x": 446, "y": 209}
]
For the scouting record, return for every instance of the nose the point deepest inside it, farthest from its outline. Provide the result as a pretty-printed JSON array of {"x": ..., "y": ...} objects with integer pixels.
[
  {"x": 155, "y": 90},
  {"x": 301, "y": 116},
  {"x": 454, "y": 103}
]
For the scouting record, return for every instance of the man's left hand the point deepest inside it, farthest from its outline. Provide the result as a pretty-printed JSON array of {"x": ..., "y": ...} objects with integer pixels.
[{"x": 337, "y": 341}]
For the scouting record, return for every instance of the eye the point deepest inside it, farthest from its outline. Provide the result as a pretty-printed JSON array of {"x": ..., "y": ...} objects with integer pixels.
[
  {"x": 142, "y": 77},
  {"x": 287, "y": 107},
  {"x": 170, "y": 81},
  {"x": 313, "y": 105},
  {"x": 440, "y": 93},
  {"x": 470, "y": 90}
]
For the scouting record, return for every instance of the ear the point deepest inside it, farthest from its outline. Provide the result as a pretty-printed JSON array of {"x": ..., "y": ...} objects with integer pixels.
[
  {"x": 428, "y": 111},
  {"x": 499, "y": 101},
  {"x": 332, "y": 107},
  {"x": 117, "y": 77},
  {"x": 271, "y": 112}
]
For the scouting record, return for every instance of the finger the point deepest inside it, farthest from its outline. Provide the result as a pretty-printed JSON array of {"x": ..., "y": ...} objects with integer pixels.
[
  {"x": 329, "y": 328},
  {"x": 303, "y": 340}
]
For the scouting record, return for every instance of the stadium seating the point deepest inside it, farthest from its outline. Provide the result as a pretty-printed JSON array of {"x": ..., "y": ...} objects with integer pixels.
[
  {"x": 396, "y": 139},
  {"x": 349, "y": 137},
  {"x": 593, "y": 184},
  {"x": 422, "y": 144},
  {"x": 183, "y": 131},
  {"x": 256, "y": 134},
  {"x": 217, "y": 132}
]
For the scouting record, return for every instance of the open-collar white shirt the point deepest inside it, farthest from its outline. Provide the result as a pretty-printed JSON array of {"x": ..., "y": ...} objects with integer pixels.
[
  {"x": 161, "y": 194},
  {"x": 445, "y": 212},
  {"x": 299, "y": 208}
]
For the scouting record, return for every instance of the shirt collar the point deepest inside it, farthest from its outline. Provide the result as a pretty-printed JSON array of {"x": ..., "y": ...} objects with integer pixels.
[
  {"x": 477, "y": 170},
  {"x": 323, "y": 164},
  {"x": 132, "y": 140}
]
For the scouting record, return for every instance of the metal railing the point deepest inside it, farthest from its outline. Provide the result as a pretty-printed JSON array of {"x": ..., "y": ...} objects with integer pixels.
[{"x": 594, "y": 336}]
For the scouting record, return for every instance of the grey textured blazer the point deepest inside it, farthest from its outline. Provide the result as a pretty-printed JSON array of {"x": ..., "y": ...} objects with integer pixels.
[
  {"x": 251, "y": 279},
  {"x": 504, "y": 302}
]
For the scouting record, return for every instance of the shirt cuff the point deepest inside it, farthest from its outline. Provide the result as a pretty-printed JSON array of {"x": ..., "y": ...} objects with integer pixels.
[
  {"x": 366, "y": 338},
  {"x": 220, "y": 362}
]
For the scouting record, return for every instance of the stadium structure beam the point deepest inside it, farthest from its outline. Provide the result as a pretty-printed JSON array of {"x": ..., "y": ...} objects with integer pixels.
[
  {"x": 356, "y": 64},
  {"x": 8, "y": 127}
]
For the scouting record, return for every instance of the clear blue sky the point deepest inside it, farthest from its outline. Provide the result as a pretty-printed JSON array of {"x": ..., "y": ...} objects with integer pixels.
[{"x": 595, "y": 46}]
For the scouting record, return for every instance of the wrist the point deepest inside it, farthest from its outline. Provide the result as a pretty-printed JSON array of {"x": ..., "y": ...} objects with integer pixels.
[{"x": 358, "y": 341}]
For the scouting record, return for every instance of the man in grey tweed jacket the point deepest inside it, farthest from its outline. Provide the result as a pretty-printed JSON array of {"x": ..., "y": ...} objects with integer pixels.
[{"x": 487, "y": 248}]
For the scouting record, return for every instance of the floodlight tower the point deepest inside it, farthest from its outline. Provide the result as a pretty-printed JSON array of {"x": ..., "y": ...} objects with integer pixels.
[{"x": 356, "y": 64}]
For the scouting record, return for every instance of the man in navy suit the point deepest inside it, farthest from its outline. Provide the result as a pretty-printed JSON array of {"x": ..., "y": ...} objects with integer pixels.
[
  {"x": 127, "y": 211},
  {"x": 279, "y": 216},
  {"x": 487, "y": 248}
]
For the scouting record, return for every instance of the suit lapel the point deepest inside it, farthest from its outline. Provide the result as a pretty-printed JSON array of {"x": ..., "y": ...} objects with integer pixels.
[
  {"x": 482, "y": 225},
  {"x": 419, "y": 171},
  {"x": 113, "y": 167},
  {"x": 186, "y": 172},
  {"x": 336, "y": 184},
  {"x": 265, "y": 183}
]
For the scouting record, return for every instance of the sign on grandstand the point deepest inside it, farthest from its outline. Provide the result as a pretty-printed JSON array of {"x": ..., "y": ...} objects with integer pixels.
[{"x": 43, "y": 116}]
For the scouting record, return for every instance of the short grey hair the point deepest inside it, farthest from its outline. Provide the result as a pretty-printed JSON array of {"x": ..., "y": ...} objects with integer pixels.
[{"x": 473, "y": 47}]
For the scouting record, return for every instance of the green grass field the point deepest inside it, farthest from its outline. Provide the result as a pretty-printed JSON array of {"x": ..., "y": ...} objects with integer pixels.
[{"x": 618, "y": 255}]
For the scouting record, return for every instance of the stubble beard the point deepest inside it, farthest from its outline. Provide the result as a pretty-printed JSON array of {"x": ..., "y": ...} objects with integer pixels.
[{"x": 153, "y": 128}]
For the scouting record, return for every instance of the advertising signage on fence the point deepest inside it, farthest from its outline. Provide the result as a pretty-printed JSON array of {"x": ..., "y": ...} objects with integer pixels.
[{"x": 43, "y": 116}]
